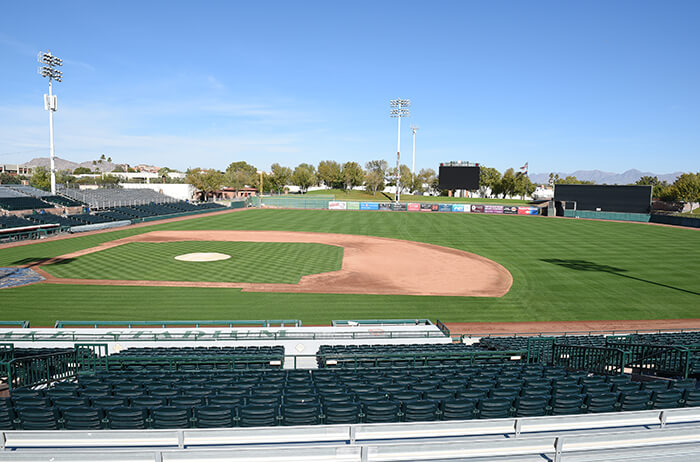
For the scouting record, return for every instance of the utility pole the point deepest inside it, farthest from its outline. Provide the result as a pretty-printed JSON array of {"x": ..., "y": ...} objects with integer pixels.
[
  {"x": 399, "y": 110},
  {"x": 49, "y": 70}
]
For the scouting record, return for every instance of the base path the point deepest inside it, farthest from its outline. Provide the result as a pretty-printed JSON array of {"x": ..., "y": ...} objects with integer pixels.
[
  {"x": 559, "y": 327},
  {"x": 371, "y": 265}
]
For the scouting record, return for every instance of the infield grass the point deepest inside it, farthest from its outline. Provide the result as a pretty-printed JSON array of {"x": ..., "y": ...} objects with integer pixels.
[
  {"x": 563, "y": 269},
  {"x": 257, "y": 262}
]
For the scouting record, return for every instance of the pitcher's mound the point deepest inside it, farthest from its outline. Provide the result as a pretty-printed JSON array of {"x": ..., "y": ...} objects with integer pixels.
[{"x": 203, "y": 256}]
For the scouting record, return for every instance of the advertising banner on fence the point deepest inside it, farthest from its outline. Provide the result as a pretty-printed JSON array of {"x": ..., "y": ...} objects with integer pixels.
[
  {"x": 334, "y": 205},
  {"x": 353, "y": 206},
  {"x": 384, "y": 206},
  {"x": 528, "y": 211},
  {"x": 458, "y": 207},
  {"x": 444, "y": 207},
  {"x": 476, "y": 208},
  {"x": 493, "y": 209},
  {"x": 510, "y": 210},
  {"x": 413, "y": 207},
  {"x": 426, "y": 207},
  {"x": 399, "y": 207},
  {"x": 369, "y": 206}
]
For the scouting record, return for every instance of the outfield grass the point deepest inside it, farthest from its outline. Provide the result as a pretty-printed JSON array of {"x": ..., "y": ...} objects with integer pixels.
[
  {"x": 358, "y": 195},
  {"x": 257, "y": 262},
  {"x": 563, "y": 269}
]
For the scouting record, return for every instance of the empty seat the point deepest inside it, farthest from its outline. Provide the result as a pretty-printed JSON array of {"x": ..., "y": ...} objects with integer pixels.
[
  {"x": 567, "y": 404},
  {"x": 126, "y": 418},
  {"x": 258, "y": 416},
  {"x": 82, "y": 418},
  {"x": 531, "y": 406},
  {"x": 422, "y": 410},
  {"x": 635, "y": 401},
  {"x": 300, "y": 414},
  {"x": 667, "y": 399},
  {"x": 458, "y": 409},
  {"x": 603, "y": 402},
  {"x": 381, "y": 411},
  {"x": 147, "y": 401},
  {"x": 494, "y": 408},
  {"x": 110, "y": 401},
  {"x": 342, "y": 412},
  {"x": 38, "y": 418},
  {"x": 7, "y": 417},
  {"x": 213, "y": 416},
  {"x": 171, "y": 417}
]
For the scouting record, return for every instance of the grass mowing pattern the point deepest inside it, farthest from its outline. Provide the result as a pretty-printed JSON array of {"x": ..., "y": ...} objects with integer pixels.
[
  {"x": 257, "y": 262},
  {"x": 563, "y": 269}
]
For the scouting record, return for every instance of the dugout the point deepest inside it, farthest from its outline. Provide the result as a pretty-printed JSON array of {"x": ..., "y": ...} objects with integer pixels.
[{"x": 603, "y": 201}]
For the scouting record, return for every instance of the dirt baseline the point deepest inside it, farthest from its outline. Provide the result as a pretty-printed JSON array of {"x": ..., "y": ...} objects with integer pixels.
[{"x": 371, "y": 265}]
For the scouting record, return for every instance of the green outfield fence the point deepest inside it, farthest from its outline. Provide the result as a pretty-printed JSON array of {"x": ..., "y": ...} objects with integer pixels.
[{"x": 641, "y": 217}]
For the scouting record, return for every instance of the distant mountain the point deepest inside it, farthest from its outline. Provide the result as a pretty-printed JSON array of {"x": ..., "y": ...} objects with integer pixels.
[
  {"x": 63, "y": 164},
  {"x": 600, "y": 177}
]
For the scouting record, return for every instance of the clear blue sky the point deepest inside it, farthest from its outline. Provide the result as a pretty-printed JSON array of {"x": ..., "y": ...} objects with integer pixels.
[{"x": 607, "y": 85}]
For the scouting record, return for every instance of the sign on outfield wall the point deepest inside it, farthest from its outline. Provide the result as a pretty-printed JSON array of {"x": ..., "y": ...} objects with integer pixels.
[
  {"x": 458, "y": 207},
  {"x": 413, "y": 207},
  {"x": 493, "y": 209},
  {"x": 353, "y": 206},
  {"x": 510, "y": 210},
  {"x": 333, "y": 205},
  {"x": 444, "y": 207},
  {"x": 476, "y": 208},
  {"x": 369, "y": 206}
]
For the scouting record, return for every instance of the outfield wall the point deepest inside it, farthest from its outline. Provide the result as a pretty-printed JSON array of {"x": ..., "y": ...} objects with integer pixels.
[{"x": 330, "y": 204}]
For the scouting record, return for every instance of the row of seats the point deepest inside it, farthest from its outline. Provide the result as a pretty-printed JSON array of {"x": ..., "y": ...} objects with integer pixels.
[
  {"x": 666, "y": 338},
  {"x": 23, "y": 203},
  {"x": 185, "y": 412},
  {"x": 11, "y": 221}
]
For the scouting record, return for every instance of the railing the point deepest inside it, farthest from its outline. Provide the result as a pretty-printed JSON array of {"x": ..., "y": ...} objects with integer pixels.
[
  {"x": 443, "y": 328},
  {"x": 165, "y": 324},
  {"x": 600, "y": 360},
  {"x": 38, "y": 370},
  {"x": 217, "y": 336},
  {"x": 22, "y": 324},
  {"x": 657, "y": 359},
  {"x": 550, "y": 438},
  {"x": 540, "y": 349},
  {"x": 614, "y": 332},
  {"x": 381, "y": 322}
]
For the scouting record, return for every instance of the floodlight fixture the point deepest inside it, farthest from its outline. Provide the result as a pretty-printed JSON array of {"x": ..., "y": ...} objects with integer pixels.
[
  {"x": 50, "y": 62},
  {"x": 400, "y": 109}
]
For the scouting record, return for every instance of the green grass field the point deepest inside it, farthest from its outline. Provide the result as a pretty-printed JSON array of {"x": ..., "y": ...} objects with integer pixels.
[
  {"x": 259, "y": 262},
  {"x": 563, "y": 269},
  {"x": 357, "y": 195}
]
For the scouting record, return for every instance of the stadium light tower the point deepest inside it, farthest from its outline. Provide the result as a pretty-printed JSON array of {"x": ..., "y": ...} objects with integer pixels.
[
  {"x": 414, "y": 129},
  {"x": 50, "y": 62},
  {"x": 399, "y": 110}
]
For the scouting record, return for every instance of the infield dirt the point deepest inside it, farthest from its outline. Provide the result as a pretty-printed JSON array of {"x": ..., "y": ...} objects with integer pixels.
[{"x": 371, "y": 265}]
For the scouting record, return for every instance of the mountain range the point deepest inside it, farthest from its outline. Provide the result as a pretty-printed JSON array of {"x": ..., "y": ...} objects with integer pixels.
[
  {"x": 600, "y": 177},
  {"x": 63, "y": 164}
]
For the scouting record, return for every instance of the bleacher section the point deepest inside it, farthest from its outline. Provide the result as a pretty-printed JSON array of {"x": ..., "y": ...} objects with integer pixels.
[
  {"x": 11, "y": 221},
  {"x": 49, "y": 218},
  {"x": 23, "y": 203},
  {"x": 26, "y": 190},
  {"x": 115, "y": 197},
  {"x": 64, "y": 201},
  {"x": 159, "y": 398}
]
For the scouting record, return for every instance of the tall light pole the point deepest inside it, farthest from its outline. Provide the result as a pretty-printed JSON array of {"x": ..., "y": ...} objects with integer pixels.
[
  {"x": 399, "y": 110},
  {"x": 414, "y": 129},
  {"x": 50, "y": 62}
]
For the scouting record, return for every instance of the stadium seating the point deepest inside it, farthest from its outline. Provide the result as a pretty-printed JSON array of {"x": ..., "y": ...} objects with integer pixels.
[
  {"x": 207, "y": 397},
  {"x": 23, "y": 203},
  {"x": 11, "y": 221}
]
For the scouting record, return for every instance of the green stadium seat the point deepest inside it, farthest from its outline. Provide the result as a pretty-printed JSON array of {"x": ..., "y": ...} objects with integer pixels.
[
  {"x": 82, "y": 418},
  {"x": 531, "y": 406},
  {"x": 495, "y": 408},
  {"x": 381, "y": 411},
  {"x": 214, "y": 416},
  {"x": 420, "y": 411},
  {"x": 258, "y": 416},
  {"x": 171, "y": 417},
  {"x": 126, "y": 418},
  {"x": 38, "y": 418}
]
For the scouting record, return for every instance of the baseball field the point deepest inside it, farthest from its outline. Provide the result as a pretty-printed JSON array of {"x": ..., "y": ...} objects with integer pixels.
[{"x": 559, "y": 269}]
